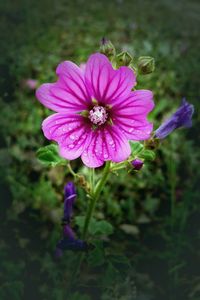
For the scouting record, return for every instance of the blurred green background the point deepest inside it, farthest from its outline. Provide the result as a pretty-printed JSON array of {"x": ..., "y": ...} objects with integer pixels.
[{"x": 154, "y": 250}]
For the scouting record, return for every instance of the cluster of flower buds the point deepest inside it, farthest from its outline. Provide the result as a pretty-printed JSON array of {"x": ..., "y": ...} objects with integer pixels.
[
  {"x": 144, "y": 65},
  {"x": 69, "y": 241}
]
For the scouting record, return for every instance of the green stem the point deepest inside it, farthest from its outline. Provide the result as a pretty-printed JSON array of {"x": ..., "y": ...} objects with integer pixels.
[
  {"x": 71, "y": 171},
  {"x": 94, "y": 197},
  {"x": 92, "y": 178}
]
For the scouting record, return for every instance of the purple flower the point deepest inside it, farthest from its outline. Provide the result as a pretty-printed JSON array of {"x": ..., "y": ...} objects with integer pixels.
[
  {"x": 71, "y": 244},
  {"x": 69, "y": 241},
  {"x": 181, "y": 118},
  {"x": 68, "y": 232},
  {"x": 137, "y": 164},
  {"x": 96, "y": 111},
  {"x": 69, "y": 198}
]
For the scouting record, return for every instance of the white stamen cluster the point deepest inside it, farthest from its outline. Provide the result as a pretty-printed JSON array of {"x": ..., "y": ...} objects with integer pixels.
[{"x": 98, "y": 115}]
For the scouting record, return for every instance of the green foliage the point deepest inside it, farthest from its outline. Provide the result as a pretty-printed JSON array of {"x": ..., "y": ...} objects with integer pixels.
[
  {"x": 96, "y": 228},
  {"x": 96, "y": 257},
  {"x": 48, "y": 155},
  {"x": 79, "y": 296}
]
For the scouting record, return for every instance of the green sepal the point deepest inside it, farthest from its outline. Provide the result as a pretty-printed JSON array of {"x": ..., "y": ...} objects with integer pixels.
[
  {"x": 123, "y": 59},
  {"x": 136, "y": 148},
  {"x": 148, "y": 155},
  {"x": 146, "y": 65}
]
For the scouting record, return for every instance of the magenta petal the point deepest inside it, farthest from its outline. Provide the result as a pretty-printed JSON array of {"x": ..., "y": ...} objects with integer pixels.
[
  {"x": 117, "y": 144},
  {"x": 69, "y": 131},
  {"x": 106, "y": 144},
  {"x": 69, "y": 93},
  {"x": 131, "y": 117},
  {"x": 91, "y": 160},
  {"x": 107, "y": 84},
  {"x": 121, "y": 85},
  {"x": 139, "y": 102},
  {"x": 92, "y": 157}
]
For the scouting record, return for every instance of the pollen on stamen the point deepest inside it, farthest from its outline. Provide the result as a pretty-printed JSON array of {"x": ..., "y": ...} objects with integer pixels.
[{"x": 98, "y": 115}]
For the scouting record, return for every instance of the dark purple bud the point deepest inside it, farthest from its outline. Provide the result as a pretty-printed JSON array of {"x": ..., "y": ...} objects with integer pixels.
[
  {"x": 181, "y": 118},
  {"x": 70, "y": 244},
  {"x": 68, "y": 232},
  {"x": 70, "y": 196},
  {"x": 137, "y": 164}
]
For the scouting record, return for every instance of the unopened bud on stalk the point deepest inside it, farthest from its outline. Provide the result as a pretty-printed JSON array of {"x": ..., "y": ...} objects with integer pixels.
[
  {"x": 69, "y": 198},
  {"x": 123, "y": 59},
  {"x": 146, "y": 65},
  {"x": 107, "y": 48},
  {"x": 137, "y": 164}
]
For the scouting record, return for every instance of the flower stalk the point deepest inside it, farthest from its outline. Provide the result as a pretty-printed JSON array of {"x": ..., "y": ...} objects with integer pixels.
[{"x": 94, "y": 196}]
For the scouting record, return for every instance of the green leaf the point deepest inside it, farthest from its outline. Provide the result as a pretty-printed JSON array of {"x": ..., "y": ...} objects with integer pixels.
[
  {"x": 96, "y": 257},
  {"x": 96, "y": 227},
  {"x": 79, "y": 221},
  {"x": 49, "y": 156},
  {"x": 101, "y": 228}
]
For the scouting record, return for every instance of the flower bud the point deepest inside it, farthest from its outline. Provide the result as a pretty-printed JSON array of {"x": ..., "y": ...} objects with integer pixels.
[
  {"x": 137, "y": 164},
  {"x": 146, "y": 65},
  {"x": 68, "y": 232},
  {"x": 69, "y": 198},
  {"x": 107, "y": 48},
  {"x": 181, "y": 118},
  {"x": 123, "y": 59}
]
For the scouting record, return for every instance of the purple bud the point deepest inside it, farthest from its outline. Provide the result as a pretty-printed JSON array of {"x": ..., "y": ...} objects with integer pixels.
[
  {"x": 181, "y": 118},
  {"x": 68, "y": 232},
  {"x": 69, "y": 198},
  {"x": 137, "y": 164}
]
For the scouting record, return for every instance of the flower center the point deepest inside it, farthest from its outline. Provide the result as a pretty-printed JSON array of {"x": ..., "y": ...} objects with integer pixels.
[{"x": 98, "y": 115}]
